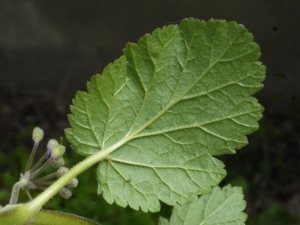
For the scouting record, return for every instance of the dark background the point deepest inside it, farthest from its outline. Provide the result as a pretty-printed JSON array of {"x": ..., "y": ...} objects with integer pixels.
[{"x": 50, "y": 49}]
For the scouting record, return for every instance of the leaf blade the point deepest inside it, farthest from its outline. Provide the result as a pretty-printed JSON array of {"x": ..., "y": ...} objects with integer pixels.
[
  {"x": 178, "y": 97},
  {"x": 221, "y": 206},
  {"x": 48, "y": 217}
]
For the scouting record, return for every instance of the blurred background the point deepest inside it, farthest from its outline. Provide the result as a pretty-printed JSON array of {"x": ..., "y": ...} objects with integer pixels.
[{"x": 50, "y": 49}]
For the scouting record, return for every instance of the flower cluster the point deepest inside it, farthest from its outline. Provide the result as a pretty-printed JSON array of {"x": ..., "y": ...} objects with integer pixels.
[{"x": 53, "y": 157}]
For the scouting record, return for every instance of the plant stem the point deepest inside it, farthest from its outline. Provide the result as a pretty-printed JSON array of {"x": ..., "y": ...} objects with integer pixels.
[
  {"x": 40, "y": 200},
  {"x": 41, "y": 160},
  {"x": 15, "y": 192},
  {"x": 35, "y": 146},
  {"x": 42, "y": 168},
  {"x": 47, "y": 177}
]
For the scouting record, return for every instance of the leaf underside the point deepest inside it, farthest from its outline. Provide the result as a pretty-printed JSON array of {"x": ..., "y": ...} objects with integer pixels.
[
  {"x": 175, "y": 99},
  {"x": 221, "y": 206}
]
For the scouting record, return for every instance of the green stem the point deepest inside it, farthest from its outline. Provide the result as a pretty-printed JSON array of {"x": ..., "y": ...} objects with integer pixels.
[
  {"x": 40, "y": 200},
  {"x": 35, "y": 146},
  {"x": 15, "y": 192}
]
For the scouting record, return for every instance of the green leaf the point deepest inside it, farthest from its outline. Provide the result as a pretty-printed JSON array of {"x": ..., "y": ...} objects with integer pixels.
[
  {"x": 221, "y": 206},
  {"x": 163, "y": 221},
  {"x": 160, "y": 113},
  {"x": 47, "y": 217}
]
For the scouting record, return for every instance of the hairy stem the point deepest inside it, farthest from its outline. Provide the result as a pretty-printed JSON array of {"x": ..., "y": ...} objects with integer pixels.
[
  {"x": 15, "y": 192},
  {"x": 35, "y": 146},
  {"x": 40, "y": 200}
]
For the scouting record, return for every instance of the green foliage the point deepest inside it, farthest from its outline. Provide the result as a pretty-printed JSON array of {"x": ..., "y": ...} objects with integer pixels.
[
  {"x": 160, "y": 113},
  {"x": 84, "y": 201},
  {"x": 218, "y": 207},
  {"x": 154, "y": 122},
  {"x": 46, "y": 217}
]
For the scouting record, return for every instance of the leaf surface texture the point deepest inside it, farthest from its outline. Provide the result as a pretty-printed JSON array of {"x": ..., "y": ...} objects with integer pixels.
[
  {"x": 220, "y": 207},
  {"x": 161, "y": 111}
]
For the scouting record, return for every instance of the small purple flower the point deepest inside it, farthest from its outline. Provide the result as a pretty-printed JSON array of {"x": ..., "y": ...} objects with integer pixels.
[
  {"x": 48, "y": 154},
  {"x": 52, "y": 143}
]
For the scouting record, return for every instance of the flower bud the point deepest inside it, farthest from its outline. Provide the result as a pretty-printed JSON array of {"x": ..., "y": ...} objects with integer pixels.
[
  {"x": 62, "y": 170},
  {"x": 52, "y": 143},
  {"x": 65, "y": 193},
  {"x": 58, "y": 162},
  {"x": 73, "y": 183},
  {"x": 37, "y": 134},
  {"x": 58, "y": 151}
]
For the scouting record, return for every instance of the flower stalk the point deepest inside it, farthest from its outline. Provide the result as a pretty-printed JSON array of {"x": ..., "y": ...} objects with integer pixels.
[{"x": 53, "y": 157}]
